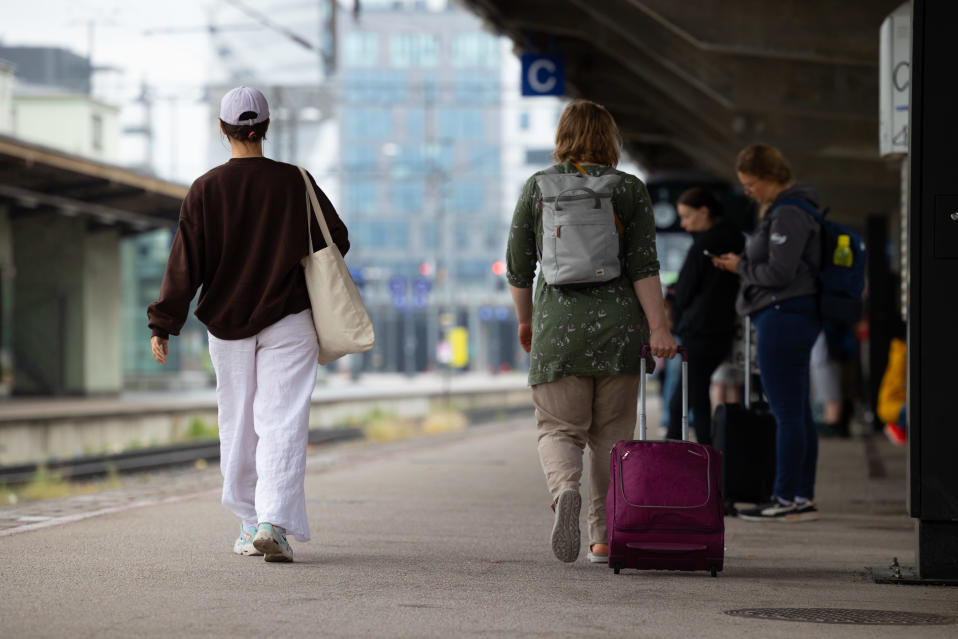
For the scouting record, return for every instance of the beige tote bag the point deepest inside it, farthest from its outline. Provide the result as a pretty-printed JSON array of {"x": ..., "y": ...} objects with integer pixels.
[{"x": 341, "y": 321}]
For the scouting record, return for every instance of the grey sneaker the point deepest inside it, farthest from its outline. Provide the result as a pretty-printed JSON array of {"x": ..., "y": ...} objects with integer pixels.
[
  {"x": 565, "y": 531},
  {"x": 271, "y": 541}
]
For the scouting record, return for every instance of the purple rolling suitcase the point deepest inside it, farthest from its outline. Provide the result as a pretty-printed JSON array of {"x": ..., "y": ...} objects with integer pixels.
[{"x": 664, "y": 506}]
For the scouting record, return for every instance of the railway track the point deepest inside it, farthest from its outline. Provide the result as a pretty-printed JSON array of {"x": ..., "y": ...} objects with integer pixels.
[
  {"x": 189, "y": 453},
  {"x": 148, "y": 458}
]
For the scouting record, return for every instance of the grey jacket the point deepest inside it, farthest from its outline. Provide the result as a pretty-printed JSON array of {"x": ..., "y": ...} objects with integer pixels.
[{"x": 783, "y": 255}]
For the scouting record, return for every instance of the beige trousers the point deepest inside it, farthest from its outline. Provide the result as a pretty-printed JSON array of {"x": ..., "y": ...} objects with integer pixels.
[{"x": 573, "y": 412}]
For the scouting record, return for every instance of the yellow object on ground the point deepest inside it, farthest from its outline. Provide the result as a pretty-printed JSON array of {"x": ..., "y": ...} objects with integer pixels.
[{"x": 893, "y": 390}]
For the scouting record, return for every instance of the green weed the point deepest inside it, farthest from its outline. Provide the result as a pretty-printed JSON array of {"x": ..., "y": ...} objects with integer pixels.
[
  {"x": 199, "y": 430},
  {"x": 45, "y": 485}
]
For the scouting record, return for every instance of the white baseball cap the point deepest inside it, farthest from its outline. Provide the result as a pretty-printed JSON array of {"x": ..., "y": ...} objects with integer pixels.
[{"x": 241, "y": 100}]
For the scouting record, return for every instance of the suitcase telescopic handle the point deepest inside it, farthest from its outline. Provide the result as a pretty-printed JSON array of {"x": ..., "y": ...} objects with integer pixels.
[
  {"x": 684, "y": 353},
  {"x": 748, "y": 362}
]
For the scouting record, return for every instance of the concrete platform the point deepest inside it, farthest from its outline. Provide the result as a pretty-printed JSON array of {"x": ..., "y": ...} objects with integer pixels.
[
  {"x": 36, "y": 430},
  {"x": 447, "y": 536}
]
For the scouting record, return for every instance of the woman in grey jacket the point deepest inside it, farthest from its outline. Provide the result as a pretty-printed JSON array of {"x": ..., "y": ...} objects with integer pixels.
[{"x": 778, "y": 285}]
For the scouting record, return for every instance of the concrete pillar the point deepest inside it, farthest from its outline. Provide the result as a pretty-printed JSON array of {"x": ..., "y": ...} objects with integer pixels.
[
  {"x": 66, "y": 315},
  {"x": 6, "y": 302},
  {"x": 102, "y": 313},
  {"x": 932, "y": 307}
]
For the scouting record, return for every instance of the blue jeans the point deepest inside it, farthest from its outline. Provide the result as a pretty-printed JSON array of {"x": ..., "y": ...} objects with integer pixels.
[{"x": 786, "y": 334}]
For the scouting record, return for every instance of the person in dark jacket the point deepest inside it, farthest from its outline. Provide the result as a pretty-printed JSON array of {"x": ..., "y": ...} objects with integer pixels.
[
  {"x": 703, "y": 306},
  {"x": 240, "y": 236},
  {"x": 778, "y": 290}
]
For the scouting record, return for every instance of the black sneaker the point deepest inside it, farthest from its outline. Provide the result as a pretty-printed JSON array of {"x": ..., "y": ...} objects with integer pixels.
[{"x": 771, "y": 511}]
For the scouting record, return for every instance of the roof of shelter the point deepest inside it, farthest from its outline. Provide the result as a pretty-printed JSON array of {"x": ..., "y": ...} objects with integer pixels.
[
  {"x": 38, "y": 178},
  {"x": 690, "y": 84}
]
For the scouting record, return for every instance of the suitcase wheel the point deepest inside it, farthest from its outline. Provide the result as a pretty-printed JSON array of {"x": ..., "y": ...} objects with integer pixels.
[
  {"x": 714, "y": 571},
  {"x": 617, "y": 568}
]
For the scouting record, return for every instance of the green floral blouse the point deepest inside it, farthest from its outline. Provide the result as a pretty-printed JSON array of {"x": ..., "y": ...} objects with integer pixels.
[{"x": 586, "y": 331}]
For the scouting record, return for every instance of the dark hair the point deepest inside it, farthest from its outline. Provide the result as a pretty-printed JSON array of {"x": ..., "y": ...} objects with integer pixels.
[
  {"x": 587, "y": 131},
  {"x": 764, "y": 162},
  {"x": 245, "y": 132},
  {"x": 697, "y": 197}
]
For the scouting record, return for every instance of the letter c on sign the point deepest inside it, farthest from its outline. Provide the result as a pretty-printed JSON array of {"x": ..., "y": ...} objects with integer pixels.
[{"x": 540, "y": 86}]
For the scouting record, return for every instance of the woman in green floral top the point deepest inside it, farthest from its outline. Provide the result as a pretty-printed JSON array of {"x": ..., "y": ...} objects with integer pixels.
[{"x": 584, "y": 342}]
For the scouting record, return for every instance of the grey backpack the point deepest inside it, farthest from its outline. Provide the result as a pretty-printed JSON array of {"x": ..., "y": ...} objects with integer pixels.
[{"x": 580, "y": 236}]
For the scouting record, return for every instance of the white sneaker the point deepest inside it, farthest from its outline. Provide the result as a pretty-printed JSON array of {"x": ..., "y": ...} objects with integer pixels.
[
  {"x": 597, "y": 559},
  {"x": 271, "y": 541},
  {"x": 244, "y": 543}
]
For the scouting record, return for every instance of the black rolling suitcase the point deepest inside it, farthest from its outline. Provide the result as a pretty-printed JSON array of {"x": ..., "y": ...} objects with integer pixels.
[{"x": 746, "y": 436}]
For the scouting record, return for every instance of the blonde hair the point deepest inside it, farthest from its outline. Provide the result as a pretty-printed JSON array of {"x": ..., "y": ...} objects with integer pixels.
[
  {"x": 764, "y": 162},
  {"x": 587, "y": 131}
]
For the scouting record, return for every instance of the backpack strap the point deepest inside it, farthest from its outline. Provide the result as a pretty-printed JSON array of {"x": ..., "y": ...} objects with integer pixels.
[
  {"x": 818, "y": 216},
  {"x": 618, "y": 223},
  {"x": 806, "y": 206}
]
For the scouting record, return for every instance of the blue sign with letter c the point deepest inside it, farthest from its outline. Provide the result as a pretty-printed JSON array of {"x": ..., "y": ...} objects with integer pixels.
[{"x": 543, "y": 74}]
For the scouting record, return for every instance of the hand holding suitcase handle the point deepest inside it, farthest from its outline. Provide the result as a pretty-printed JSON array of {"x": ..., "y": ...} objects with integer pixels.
[{"x": 684, "y": 352}]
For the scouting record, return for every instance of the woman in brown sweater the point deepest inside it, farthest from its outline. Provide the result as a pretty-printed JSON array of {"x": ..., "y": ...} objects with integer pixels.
[{"x": 240, "y": 236}]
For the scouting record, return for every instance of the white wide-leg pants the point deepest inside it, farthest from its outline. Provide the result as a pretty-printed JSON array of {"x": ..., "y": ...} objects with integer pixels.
[{"x": 263, "y": 388}]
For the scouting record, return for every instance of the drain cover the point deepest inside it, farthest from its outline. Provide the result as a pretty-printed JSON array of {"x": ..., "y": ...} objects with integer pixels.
[{"x": 845, "y": 616}]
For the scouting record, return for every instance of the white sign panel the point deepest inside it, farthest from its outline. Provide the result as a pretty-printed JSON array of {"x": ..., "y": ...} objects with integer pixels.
[{"x": 894, "y": 82}]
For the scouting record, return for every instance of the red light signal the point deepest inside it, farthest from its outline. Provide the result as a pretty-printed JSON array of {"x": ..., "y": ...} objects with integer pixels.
[{"x": 499, "y": 268}]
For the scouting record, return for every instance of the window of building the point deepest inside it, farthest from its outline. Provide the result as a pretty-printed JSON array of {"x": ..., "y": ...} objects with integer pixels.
[
  {"x": 473, "y": 269},
  {"x": 370, "y": 123},
  {"x": 413, "y": 50},
  {"x": 437, "y": 156},
  {"x": 476, "y": 90},
  {"x": 408, "y": 196},
  {"x": 408, "y": 160},
  {"x": 360, "y": 157},
  {"x": 461, "y": 124},
  {"x": 374, "y": 86},
  {"x": 361, "y": 198},
  {"x": 360, "y": 49},
  {"x": 495, "y": 235},
  {"x": 475, "y": 50},
  {"x": 464, "y": 240},
  {"x": 524, "y": 120},
  {"x": 415, "y": 123},
  {"x": 428, "y": 234},
  {"x": 429, "y": 88},
  {"x": 484, "y": 159},
  {"x": 97, "y": 131},
  {"x": 467, "y": 197},
  {"x": 396, "y": 234}
]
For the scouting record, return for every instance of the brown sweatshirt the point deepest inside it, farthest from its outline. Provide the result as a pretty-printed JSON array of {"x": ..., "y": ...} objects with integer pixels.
[{"x": 241, "y": 235}]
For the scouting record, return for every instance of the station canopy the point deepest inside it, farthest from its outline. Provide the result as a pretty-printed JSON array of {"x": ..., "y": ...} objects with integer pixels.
[
  {"x": 35, "y": 178},
  {"x": 691, "y": 83}
]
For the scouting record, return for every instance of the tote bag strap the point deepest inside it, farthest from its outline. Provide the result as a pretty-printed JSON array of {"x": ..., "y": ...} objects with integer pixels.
[{"x": 317, "y": 210}]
